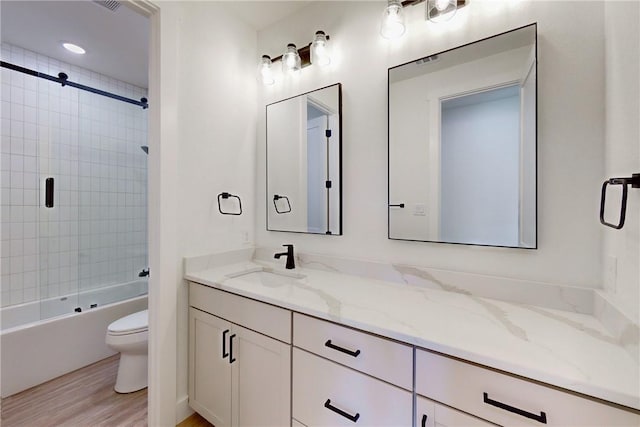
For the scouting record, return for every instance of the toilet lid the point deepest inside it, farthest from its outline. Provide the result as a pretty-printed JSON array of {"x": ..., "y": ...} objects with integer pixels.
[{"x": 131, "y": 324}]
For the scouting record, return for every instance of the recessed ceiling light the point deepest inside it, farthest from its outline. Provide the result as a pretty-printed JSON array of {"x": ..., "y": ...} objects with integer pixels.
[{"x": 74, "y": 48}]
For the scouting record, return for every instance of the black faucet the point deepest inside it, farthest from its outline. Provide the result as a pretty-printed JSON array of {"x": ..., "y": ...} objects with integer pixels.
[
  {"x": 291, "y": 264},
  {"x": 143, "y": 273}
]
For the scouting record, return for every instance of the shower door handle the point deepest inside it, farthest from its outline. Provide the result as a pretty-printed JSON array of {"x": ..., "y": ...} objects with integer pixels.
[{"x": 48, "y": 192}]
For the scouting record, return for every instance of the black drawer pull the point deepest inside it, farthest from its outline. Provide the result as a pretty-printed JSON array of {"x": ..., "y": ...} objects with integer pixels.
[
  {"x": 350, "y": 417},
  {"x": 343, "y": 350},
  {"x": 542, "y": 418},
  {"x": 231, "y": 358},
  {"x": 225, "y": 354},
  {"x": 424, "y": 420}
]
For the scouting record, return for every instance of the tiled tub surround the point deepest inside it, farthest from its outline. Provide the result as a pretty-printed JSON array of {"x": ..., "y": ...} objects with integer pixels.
[
  {"x": 96, "y": 233},
  {"x": 568, "y": 349}
]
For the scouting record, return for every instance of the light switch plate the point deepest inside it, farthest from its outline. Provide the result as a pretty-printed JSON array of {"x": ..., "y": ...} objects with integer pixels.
[{"x": 419, "y": 209}]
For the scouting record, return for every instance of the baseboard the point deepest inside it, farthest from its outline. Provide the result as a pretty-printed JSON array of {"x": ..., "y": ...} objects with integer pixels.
[{"x": 183, "y": 411}]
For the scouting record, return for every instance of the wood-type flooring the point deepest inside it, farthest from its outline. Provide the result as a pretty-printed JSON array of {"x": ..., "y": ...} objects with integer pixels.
[{"x": 83, "y": 398}]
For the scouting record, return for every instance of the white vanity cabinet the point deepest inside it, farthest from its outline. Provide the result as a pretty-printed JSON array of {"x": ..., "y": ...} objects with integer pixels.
[
  {"x": 256, "y": 364},
  {"x": 432, "y": 414},
  {"x": 337, "y": 374},
  {"x": 238, "y": 376},
  {"x": 507, "y": 400}
]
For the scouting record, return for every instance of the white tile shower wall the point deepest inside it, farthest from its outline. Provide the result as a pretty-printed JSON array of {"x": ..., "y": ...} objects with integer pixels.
[{"x": 96, "y": 233}]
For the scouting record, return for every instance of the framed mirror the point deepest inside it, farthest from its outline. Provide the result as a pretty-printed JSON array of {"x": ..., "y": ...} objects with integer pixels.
[
  {"x": 463, "y": 144},
  {"x": 304, "y": 169}
]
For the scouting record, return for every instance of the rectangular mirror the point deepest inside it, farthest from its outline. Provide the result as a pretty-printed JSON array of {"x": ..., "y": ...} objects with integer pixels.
[
  {"x": 463, "y": 142},
  {"x": 304, "y": 172}
]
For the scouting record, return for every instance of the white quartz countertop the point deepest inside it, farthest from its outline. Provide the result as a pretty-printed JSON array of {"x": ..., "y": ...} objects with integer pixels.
[{"x": 565, "y": 349}]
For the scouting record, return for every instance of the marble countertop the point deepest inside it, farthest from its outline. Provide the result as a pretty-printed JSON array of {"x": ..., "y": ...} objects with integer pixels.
[{"x": 566, "y": 349}]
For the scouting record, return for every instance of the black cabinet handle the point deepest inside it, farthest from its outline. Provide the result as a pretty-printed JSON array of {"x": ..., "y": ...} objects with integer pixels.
[
  {"x": 398, "y": 205},
  {"x": 225, "y": 354},
  {"x": 350, "y": 417},
  {"x": 343, "y": 350},
  {"x": 231, "y": 358},
  {"x": 48, "y": 192},
  {"x": 424, "y": 420},
  {"x": 542, "y": 418}
]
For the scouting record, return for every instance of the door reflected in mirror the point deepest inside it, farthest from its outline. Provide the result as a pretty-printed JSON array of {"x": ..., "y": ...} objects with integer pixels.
[
  {"x": 304, "y": 163},
  {"x": 462, "y": 144}
]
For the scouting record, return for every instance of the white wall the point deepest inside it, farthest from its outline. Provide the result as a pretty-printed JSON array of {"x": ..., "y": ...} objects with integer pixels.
[
  {"x": 216, "y": 148},
  {"x": 288, "y": 160},
  {"x": 480, "y": 172},
  {"x": 622, "y": 151},
  {"x": 570, "y": 123}
]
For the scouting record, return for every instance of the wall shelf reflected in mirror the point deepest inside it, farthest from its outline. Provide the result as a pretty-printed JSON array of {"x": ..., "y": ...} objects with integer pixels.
[{"x": 463, "y": 144}]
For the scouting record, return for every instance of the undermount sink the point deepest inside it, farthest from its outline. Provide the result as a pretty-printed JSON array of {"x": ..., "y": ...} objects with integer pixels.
[{"x": 268, "y": 277}]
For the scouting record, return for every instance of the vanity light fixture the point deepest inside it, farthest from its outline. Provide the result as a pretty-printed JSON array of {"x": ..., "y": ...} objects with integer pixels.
[
  {"x": 74, "y": 48},
  {"x": 265, "y": 72},
  {"x": 319, "y": 52},
  {"x": 441, "y": 10},
  {"x": 393, "y": 23},
  {"x": 294, "y": 59},
  {"x": 291, "y": 62}
]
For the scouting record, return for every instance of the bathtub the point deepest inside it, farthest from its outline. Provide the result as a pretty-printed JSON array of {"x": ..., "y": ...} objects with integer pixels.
[{"x": 33, "y": 351}]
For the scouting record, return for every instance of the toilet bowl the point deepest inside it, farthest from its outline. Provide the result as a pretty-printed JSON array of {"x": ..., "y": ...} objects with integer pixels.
[{"x": 129, "y": 336}]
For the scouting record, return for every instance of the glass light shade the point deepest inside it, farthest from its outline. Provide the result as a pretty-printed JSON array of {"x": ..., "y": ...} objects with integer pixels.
[
  {"x": 441, "y": 10},
  {"x": 291, "y": 62},
  {"x": 265, "y": 72},
  {"x": 392, "y": 25},
  {"x": 319, "y": 51}
]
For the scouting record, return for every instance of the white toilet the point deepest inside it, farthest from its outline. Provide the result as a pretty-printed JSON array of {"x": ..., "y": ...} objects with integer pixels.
[{"x": 130, "y": 336}]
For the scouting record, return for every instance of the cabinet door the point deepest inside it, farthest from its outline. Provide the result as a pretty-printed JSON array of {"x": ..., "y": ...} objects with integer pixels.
[
  {"x": 431, "y": 414},
  {"x": 209, "y": 369},
  {"x": 261, "y": 380}
]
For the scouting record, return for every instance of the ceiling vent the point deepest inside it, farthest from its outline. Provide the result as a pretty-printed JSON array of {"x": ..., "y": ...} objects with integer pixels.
[
  {"x": 427, "y": 60},
  {"x": 112, "y": 5}
]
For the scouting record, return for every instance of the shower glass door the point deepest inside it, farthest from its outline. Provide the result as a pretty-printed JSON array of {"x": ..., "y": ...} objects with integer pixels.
[
  {"x": 57, "y": 207},
  {"x": 112, "y": 190},
  {"x": 73, "y": 189}
]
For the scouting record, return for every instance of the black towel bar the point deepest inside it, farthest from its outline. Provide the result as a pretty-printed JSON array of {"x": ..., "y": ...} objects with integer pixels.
[
  {"x": 634, "y": 181},
  {"x": 225, "y": 195},
  {"x": 279, "y": 197}
]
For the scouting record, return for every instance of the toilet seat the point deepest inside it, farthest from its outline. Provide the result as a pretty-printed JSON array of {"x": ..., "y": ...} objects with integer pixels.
[{"x": 132, "y": 324}]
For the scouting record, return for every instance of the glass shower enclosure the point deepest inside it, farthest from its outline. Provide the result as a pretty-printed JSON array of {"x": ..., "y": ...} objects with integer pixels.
[{"x": 74, "y": 190}]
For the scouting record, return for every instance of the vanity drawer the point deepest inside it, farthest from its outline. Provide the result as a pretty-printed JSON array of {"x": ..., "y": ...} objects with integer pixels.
[
  {"x": 264, "y": 318},
  {"x": 379, "y": 357},
  {"x": 328, "y": 394},
  {"x": 507, "y": 400}
]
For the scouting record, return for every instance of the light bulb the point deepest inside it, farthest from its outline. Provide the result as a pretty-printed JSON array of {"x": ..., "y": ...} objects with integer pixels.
[
  {"x": 442, "y": 5},
  {"x": 265, "y": 72},
  {"x": 291, "y": 62},
  {"x": 392, "y": 25},
  {"x": 319, "y": 51},
  {"x": 441, "y": 10}
]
